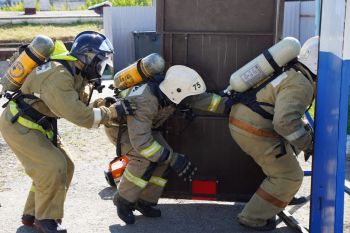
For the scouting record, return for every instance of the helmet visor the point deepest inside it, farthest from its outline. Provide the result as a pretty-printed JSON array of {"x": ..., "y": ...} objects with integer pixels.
[
  {"x": 106, "y": 46},
  {"x": 103, "y": 63}
]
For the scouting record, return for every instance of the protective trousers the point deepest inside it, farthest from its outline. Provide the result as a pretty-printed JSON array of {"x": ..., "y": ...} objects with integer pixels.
[
  {"x": 143, "y": 179},
  {"x": 49, "y": 167},
  {"x": 284, "y": 178}
]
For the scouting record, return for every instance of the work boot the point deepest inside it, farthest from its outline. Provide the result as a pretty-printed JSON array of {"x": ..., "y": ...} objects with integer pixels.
[
  {"x": 147, "y": 210},
  {"x": 49, "y": 226},
  {"x": 269, "y": 226},
  {"x": 28, "y": 220},
  {"x": 124, "y": 209}
]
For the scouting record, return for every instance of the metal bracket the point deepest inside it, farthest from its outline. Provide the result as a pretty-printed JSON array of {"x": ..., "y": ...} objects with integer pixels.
[{"x": 287, "y": 217}]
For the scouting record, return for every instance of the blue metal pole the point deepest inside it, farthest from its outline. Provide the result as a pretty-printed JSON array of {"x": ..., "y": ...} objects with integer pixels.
[
  {"x": 307, "y": 173},
  {"x": 327, "y": 201}
]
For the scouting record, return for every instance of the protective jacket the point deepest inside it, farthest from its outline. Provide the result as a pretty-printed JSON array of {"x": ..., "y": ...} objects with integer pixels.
[
  {"x": 28, "y": 123},
  {"x": 143, "y": 143},
  {"x": 286, "y": 98},
  {"x": 62, "y": 95},
  {"x": 274, "y": 143}
]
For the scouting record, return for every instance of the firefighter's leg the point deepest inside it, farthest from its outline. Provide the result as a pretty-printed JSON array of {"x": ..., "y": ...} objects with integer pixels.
[
  {"x": 43, "y": 162},
  {"x": 29, "y": 208},
  {"x": 134, "y": 180},
  {"x": 284, "y": 178},
  {"x": 70, "y": 165},
  {"x": 157, "y": 182},
  {"x": 150, "y": 195}
]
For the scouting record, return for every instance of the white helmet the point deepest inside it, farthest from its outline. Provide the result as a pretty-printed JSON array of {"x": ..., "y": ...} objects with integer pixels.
[
  {"x": 181, "y": 82},
  {"x": 309, "y": 54}
]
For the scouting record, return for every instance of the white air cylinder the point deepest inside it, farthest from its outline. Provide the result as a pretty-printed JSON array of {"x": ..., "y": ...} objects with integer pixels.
[{"x": 260, "y": 68}]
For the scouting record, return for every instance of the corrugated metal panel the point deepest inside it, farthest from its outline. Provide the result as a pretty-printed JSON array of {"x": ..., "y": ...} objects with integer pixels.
[
  {"x": 307, "y": 21},
  {"x": 299, "y": 20},
  {"x": 291, "y": 19},
  {"x": 215, "y": 38},
  {"x": 119, "y": 23}
]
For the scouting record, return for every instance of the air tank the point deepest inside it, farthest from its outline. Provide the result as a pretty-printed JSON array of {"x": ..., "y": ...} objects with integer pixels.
[
  {"x": 37, "y": 52},
  {"x": 141, "y": 71},
  {"x": 260, "y": 68}
]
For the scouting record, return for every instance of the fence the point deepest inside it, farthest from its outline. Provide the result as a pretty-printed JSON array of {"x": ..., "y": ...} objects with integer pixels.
[{"x": 299, "y": 19}]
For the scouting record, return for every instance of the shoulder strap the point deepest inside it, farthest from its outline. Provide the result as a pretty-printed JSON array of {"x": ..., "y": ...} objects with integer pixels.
[
  {"x": 154, "y": 86},
  {"x": 66, "y": 65},
  {"x": 248, "y": 98}
]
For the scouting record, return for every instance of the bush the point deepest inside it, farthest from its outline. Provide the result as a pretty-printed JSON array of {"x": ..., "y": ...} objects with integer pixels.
[
  {"x": 121, "y": 2},
  {"x": 20, "y": 6}
]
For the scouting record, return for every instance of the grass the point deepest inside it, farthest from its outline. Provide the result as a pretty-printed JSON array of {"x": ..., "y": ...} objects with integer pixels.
[
  {"x": 20, "y": 6},
  {"x": 26, "y": 32}
]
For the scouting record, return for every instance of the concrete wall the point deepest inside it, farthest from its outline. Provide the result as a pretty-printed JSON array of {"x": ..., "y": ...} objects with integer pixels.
[
  {"x": 299, "y": 20},
  {"x": 119, "y": 23}
]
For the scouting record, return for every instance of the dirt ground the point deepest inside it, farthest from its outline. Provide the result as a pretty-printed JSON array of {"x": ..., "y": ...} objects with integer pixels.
[{"x": 89, "y": 208}]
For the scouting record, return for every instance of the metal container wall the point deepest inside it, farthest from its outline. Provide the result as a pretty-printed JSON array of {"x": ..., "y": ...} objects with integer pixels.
[
  {"x": 215, "y": 37},
  {"x": 146, "y": 42}
]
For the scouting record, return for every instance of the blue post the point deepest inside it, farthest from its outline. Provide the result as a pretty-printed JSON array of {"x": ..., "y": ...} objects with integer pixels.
[{"x": 327, "y": 201}]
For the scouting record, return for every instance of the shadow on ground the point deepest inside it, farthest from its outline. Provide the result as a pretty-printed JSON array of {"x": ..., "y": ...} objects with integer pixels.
[
  {"x": 107, "y": 193},
  {"x": 194, "y": 218},
  {"x": 24, "y": 229}
]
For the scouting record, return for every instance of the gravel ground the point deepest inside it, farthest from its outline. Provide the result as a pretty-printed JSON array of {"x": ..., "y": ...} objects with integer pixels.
[{"x": 89, "y": 208}]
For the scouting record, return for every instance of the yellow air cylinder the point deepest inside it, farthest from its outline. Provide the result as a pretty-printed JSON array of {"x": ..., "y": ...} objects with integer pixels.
[
  {"x": 141, "y": 71},
  {"x": 37, "y": 52}
]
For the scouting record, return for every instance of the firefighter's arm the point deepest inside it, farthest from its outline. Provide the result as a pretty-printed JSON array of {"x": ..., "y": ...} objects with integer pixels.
[
  {"x": 59, "y": 95},
  {"x": 292, "y": 100},
  {"x": 140, "y": 132},
  {"x": 208, "y": 102}
]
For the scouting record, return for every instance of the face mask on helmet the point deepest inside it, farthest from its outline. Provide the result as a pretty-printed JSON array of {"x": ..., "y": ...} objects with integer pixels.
[
  {"x": 95, "y": 51},
  {"x": 99, "y": 64}
]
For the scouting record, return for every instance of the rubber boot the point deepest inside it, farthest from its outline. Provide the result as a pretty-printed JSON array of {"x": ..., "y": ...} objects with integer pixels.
[
  {"x": 269, "y": 226},
  {"x": 28, "y": 220},
  {"x": 124, "y": 209},
  {"x": 146, "y": 209},
  {"x": 49, "y": 226}
]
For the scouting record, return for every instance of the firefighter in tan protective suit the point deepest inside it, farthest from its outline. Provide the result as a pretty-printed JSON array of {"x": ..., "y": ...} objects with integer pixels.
[
  {"x": 273, "y": 142},
  {"x": 57, "y": 89},
  {"x": 150, "y": 157}
]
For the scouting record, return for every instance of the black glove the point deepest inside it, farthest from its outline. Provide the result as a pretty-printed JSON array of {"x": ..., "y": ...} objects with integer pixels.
[
  {"x": 180, "y": 164},
  {"x": 310, "y": 150},
  {"x": 124, "y": 107},
  {"x": 308, "y": 153},
  {"x": 108, "y": 101}
]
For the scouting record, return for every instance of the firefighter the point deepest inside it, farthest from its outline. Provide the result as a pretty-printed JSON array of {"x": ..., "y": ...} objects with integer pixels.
[
  {"x": 60, "y": 88},
  {"x": 278, "y": 132},
  {"x": 150, "y": 157}
]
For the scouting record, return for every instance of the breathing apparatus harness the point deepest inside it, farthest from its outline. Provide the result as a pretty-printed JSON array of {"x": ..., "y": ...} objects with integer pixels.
[
  {"x": 249, "y": 97},
  {"x": 48, "y": 124}
]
